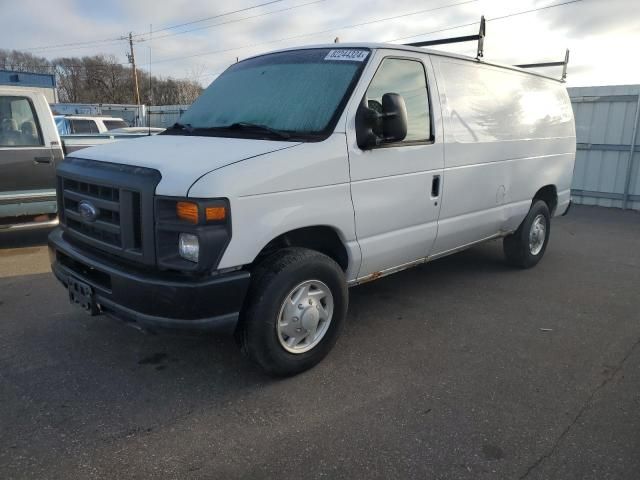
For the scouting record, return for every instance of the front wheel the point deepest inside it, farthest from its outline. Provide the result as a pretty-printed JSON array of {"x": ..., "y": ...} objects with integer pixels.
[
  {"x": 295, "y": 311},
  {"x": 525, "y": 247}
]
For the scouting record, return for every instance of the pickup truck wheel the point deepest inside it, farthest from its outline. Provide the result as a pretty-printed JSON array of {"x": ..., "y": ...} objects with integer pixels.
[
  {"x": 525, "y": 247},
  {"x": 295, "y": 310}
]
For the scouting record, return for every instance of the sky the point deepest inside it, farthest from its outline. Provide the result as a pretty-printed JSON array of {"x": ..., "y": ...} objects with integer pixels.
[{"x": 603, "y": 35}]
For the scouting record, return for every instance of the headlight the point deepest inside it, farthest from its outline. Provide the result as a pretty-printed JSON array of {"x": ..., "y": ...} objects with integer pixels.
[
  {"x": 191, "y": 233},
  {"x": 189, "y": 247}
]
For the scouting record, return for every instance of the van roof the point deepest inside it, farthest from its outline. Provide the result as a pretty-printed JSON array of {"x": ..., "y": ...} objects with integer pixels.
[{"x": 407, "y": 48}]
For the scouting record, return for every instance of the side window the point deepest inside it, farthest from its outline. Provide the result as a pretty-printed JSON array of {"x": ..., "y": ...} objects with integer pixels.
[
  {"x": 408, "y": 79},
  {"x": 18, "y": 123},
  {"x": 62, "y": 124},
  {"x": 84, "y": 126},
  {"x": 113, "y": 124}
]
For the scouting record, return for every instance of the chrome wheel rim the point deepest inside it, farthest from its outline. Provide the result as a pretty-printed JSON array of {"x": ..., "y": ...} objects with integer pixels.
[
  {"x": 305, "y": 316},
  {"x": 537, "y": 234}
]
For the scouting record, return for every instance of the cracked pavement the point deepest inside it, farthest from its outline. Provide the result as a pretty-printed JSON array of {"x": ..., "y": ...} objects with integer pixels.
[{"x": 459, "y": 369}]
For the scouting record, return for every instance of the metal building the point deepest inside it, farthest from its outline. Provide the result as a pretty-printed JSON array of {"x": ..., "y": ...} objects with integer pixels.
[
  {"x": 165, "y": 115},
  {"x": 44, "y": 82},
  {"x": 607, "y": 173}
]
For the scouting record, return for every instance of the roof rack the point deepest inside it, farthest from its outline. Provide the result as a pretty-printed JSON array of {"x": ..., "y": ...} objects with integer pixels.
[
  {"x": 480, "y": 38},
  {"x": 468, "y": 38},
  {"x": 562, "y": 64}
]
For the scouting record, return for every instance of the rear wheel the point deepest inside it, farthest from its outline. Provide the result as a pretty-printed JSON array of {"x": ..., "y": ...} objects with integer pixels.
[
  {"x": 295, "y": 311},
  {"x": 526, "y": 246}
]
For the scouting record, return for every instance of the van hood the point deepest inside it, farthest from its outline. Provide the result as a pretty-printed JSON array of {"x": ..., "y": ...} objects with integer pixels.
[{"x": 181, "y": 160}]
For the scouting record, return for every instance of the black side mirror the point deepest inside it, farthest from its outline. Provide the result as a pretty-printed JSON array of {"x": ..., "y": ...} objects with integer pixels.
[
  {"x": 373, "y": 128},
  {"x": 367, "y": 126},
  {"x": 394, "y": 121}
]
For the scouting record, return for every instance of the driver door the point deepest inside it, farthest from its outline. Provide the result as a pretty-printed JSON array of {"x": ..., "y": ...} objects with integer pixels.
[
  {"x": 26, "y": 162},
  {"x": 396, "y": 187}
]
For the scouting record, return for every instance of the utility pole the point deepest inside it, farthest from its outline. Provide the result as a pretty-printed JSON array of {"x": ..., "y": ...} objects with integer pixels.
[{"x": 132, "y": 61}]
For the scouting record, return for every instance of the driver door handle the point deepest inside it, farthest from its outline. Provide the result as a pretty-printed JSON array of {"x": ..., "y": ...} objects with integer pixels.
[
  {"x": 435, "y": 186},
  {"x": 42, "y": 160}
]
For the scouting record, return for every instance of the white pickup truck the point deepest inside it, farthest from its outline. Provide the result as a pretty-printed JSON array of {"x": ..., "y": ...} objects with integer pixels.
[
  {"x": 302, "y": 172},
  {"x": 30, "y": 149}
]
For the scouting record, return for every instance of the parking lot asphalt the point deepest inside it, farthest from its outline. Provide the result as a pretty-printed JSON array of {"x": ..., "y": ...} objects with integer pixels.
[{"x": 459, "y": 369}]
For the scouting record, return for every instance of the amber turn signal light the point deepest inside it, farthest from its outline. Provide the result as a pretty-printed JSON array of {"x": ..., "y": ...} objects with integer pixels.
[
  {"x": 215, "y": 213},
  {"x": 187, "y": 211}
]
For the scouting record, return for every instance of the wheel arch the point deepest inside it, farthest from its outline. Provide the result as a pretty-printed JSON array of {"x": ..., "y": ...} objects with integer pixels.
[
  {"x": 549, "y": 195},
  {"x": 321, "y": 238}
]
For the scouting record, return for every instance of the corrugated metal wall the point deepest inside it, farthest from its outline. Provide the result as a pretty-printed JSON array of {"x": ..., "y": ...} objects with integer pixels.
[
  {"x": 165, "y": 115},
  {"x": 605, "y": 121}
]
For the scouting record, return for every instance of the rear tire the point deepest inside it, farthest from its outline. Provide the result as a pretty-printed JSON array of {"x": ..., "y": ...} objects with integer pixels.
[
  {"x": 295, "y": 311},
  {"x": 526, "y": 246}
]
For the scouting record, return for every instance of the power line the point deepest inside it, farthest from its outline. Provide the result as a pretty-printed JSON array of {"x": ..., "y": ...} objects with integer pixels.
[
  {"x": 488, "y": 20},
  {"x": 210, "y": 18},
  {"x": 105, "y": 40},
  {"x": 447, "y": 28},
  {"x": 237, "y": 20},
  {"x": 374, "y": 21},
  {"x": 341, "y": 28},
  {"x": 91, "y": 43},
  {"x": 344, "y": 27}
]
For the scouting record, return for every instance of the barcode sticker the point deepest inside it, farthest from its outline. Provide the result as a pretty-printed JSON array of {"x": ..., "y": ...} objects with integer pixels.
[{"x": 348, "y": 55}]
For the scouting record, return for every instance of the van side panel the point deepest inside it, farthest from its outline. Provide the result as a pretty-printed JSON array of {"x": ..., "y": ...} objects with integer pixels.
[
  {"x": 303, "y": 186},
  {"x": 507, "y": 134}
]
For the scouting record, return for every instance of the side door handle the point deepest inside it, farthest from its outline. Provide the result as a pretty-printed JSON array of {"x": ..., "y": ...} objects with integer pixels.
[
  {"x": 42, "y": 160},
  {"x": 435, "y": 186}
]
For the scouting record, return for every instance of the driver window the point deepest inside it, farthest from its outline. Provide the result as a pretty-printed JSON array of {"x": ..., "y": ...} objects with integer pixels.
[
  {"x": 18, "y": 125},
  {"x": 408, "y": 79}
]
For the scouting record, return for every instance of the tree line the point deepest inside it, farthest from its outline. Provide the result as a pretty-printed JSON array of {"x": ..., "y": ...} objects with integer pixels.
[{"x": 102, "y": 79}]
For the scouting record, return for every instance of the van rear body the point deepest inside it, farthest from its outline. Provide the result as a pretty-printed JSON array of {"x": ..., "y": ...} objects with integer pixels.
[{"x": 318, "y": 168}]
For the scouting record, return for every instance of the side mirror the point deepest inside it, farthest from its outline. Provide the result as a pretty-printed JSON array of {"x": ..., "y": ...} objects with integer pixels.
[
  {"x": 390, "y": 125},
  {"x": 367, "y": 126},
  {"x": 394, "y": 120}
]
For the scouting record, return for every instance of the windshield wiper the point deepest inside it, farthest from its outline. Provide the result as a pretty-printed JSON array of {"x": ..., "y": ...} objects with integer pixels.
[
  {"x": 187, "y": 127},
  {"x": 179, "y": 126},
  {"x": 255, "y": 126}
]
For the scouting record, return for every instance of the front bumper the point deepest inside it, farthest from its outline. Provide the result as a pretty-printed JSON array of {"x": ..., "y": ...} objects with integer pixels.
[{"x": 152, "y": 299}]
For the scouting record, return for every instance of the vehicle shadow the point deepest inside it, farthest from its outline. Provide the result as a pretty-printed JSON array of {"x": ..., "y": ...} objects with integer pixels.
[
  {"x": 424, "y": 289},
  {"x": 75, "y": 368},
  {"x": 24, "y": 238}
]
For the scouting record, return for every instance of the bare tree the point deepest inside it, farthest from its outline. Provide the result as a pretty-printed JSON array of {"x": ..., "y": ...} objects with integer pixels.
[{"x": 101, "y": 79}]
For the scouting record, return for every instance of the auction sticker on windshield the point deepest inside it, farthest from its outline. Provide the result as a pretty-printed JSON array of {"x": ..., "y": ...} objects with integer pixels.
[{"x": 347, "y": 54}]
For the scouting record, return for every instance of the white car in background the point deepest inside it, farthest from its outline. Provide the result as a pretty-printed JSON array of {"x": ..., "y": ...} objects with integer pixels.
[
  {"x": 139, "y": 130},
  {"x": 84, "y": 125}
]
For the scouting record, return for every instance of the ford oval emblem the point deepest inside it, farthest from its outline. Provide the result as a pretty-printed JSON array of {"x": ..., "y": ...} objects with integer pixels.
[{"x": 88, "y": 211}]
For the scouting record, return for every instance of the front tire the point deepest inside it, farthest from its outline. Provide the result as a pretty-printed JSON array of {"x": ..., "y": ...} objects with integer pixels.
[
  {"x": 295, "y": 311},
  {"x": 526, "y": 246}
]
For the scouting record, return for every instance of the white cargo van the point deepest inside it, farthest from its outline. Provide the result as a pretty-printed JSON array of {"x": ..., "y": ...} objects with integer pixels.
[{"x": 299, "y": 173}]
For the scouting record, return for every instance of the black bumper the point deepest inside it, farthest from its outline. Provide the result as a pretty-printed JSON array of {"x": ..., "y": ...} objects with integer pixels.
[{"x": 152, "y": 299}]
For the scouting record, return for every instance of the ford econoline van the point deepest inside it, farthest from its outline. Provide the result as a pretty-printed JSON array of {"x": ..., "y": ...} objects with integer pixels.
[{"x": 302, "y": 172}]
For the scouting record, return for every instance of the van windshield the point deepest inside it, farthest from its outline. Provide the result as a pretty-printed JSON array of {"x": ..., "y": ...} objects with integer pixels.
[{"x": 295, "y": 95}]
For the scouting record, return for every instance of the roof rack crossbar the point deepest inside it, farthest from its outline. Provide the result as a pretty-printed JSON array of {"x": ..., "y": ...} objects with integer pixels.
[
  {"x": 562, "y": 64},
  {"x": 467, "y": 38}
]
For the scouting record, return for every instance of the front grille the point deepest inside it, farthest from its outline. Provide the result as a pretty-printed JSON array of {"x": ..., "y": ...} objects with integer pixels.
[
  {"x": 106, "y": 228},
  {"x": 123, "y": 199}
]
